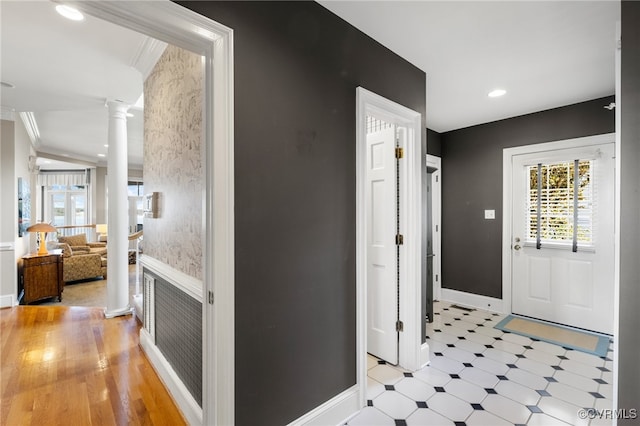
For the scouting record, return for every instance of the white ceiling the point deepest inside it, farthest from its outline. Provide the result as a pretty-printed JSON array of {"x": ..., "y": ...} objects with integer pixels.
[
  {"x": 64, "y": 72},
  {"x": 544, "y": 53}
]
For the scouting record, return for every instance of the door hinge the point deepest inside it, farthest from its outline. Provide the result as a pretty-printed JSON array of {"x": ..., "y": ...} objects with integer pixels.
[
  {"x": 210, "y": 297},
  {"x": 437, "y": 228},
  {"x": 399, "y": 239},
  {"x": 399, "y": 326},
  {"x": 437, "y": 178},
  {"x": 399, "y": 153},
  {"x": 436, "y": 277}
]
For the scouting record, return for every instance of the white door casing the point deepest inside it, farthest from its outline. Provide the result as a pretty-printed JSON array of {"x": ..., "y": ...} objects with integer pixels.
[
  {"x": 436, "y": 219},
  {"x": 172, "y": 23},
  {"x": 553, "y": 282},
  {"x": 412, "y": 353},
  {"x": 382, "y": 261}
]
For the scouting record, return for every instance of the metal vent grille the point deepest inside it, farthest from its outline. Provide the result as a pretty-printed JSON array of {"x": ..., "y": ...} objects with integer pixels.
[
  {"x": 148, "y": 289},
  {"x": 178, "y": 334}
]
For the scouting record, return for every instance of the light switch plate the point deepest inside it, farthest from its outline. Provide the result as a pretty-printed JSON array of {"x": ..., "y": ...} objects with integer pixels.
[{"x": 489, "y": 214}]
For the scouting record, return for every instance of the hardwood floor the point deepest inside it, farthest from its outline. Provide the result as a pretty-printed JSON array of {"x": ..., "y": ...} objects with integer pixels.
[{"x": 62, "y": 365}]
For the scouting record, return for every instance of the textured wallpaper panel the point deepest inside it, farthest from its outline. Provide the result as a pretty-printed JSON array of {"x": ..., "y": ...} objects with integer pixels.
[{"x": 173, "y": 95}]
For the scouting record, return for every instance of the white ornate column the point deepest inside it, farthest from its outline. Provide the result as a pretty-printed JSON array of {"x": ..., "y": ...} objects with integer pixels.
[{"x": 117, "y": 213}]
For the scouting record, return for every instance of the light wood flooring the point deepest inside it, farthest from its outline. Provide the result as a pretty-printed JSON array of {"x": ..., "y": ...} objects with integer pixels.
[{"x": 71, "y": 366}]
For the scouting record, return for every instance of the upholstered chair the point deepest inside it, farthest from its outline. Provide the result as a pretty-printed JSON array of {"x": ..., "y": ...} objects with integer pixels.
[
  {"x": 79, "y": 243},
  {"x": 81, "y": 265}
]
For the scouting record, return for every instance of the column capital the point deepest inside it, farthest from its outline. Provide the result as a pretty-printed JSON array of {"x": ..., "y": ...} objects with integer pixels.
[{"x": 118, "y": 108}]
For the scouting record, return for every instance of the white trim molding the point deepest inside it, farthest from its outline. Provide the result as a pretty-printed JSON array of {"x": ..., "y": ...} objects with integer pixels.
[
  {"x": 7, "y": 113},
  {"x": 171, "y": 23},
  {"x": 507, "y": 194},
  {"x": 8, "y": 300},
  {"x": 188, "y": 405},
  {"x": 335, "y": 411},
  {"x": 472, "y": 300},
  {"x": 147, "y": 55},
  {"x": 186, "y": 283},
  {"x": 30, "y": 124},
  {"x": 411, "y": 354},
  {"x": 436, "y": 218}
]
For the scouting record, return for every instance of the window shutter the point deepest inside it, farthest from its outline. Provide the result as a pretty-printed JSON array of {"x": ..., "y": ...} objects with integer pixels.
[{"x": 560, "y": 208}]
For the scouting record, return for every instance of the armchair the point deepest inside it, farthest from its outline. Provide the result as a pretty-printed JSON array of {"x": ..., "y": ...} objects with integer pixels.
[
  {"x": 81, "y": 265},
  {"x": 79, "y": 243}
]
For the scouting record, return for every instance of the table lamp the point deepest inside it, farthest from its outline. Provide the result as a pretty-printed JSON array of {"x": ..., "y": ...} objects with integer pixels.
[
  {"x": 101, "y": 230},
  {"x": 42, "y": 229}
]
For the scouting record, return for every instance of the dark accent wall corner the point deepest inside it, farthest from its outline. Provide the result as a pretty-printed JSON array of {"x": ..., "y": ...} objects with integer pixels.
[
  {"x": 472, "y": 182},
  {"x": 629, "y": 315},
  {"x": 434, "y": 143},
  {"x": 297, "y": 67}
]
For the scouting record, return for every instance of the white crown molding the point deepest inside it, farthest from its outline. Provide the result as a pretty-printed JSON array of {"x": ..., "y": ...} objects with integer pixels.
[
  {"x": 148, "y": 53},
  {"x": 31, "y": 126},
  {"x": 7, "y": 114},
  {"x": 53, "y": 155}
]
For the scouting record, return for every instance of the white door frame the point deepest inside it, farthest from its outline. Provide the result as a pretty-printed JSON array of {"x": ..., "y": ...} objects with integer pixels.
[
  {"x": 507, "y": 190},
  {"x": 411, "y": 351},
  {"x": 436, "y": 212},
  {"x": 172, "y": 23}
]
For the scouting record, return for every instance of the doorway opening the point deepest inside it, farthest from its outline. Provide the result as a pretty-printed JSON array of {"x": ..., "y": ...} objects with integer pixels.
[
  {"x": 183, "y": 28},
  {"x": 434, "y": 240},
  {"x": 412, "y": 352}
]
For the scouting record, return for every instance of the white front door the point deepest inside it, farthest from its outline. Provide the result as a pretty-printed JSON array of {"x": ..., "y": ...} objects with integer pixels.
[
  {"x": 382, "y": 259},
  {"x": 562, "y": 273}
]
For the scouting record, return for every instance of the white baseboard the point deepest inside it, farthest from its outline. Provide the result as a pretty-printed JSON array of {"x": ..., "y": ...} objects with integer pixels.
[
  {"x": 185, "y": 402},
  {"x": 137, "y": 307},
  {"x": 424, "y": 355},
  {"x": 473, "y": 300},
  {"x": 7, "y": 301},
  {"x": 335, "y": 411}
]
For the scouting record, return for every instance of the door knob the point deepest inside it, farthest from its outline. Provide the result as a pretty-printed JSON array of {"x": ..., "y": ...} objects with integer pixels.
[{"x": 516, "y": 247}]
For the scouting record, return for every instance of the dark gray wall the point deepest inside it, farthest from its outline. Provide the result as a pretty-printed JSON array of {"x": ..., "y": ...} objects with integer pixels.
[
  {"x": 472, "y": 182},
  {"x": 434, "y": 143},
  {"x": 297, "y": 67},
  {"x": 628, "y": 336}
]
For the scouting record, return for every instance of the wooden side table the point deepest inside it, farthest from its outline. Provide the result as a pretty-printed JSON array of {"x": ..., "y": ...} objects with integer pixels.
[{"x": 41, "y": 277}]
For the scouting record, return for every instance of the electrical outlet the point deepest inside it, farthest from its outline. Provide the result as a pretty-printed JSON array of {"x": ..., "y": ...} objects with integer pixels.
[{"x": 489, "y": 214}]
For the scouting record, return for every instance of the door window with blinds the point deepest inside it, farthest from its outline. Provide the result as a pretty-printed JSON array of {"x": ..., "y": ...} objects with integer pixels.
[{"x": 560, "y": 205}]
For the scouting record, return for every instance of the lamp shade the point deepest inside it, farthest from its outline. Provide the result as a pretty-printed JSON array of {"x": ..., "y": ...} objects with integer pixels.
[
  {"x": 101, "y": 228},
  {"x": 41, "y": 227}
]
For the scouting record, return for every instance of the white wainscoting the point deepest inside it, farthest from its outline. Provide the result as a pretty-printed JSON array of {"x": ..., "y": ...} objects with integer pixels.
[
  {"x": 186, "y": 283},
  {"x": 192, "y": 287},
  {"x": 187, "y": 404}
]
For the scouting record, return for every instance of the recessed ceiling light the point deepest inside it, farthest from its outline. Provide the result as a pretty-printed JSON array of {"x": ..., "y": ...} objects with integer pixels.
[
  {"x": 129, "y": 114},
  {"x": 106, "y": 145},
  {"x": 69, "y": 12},
  {"x": 497, "y": 93},
  {"x": 47, "y": 162},
  {"x": 101, "y": 155},
  {"x": 5, "y": 84}
]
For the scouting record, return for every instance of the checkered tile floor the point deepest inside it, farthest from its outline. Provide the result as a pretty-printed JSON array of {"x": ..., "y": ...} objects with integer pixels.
[{"x": 483, "y": 376}]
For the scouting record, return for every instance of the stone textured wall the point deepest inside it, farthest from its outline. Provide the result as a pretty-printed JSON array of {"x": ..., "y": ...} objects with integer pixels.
[{"x": 173, "y": 95}]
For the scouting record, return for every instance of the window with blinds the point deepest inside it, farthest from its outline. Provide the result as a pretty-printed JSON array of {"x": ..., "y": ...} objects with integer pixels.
[{"x": 560, "y": 205}]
